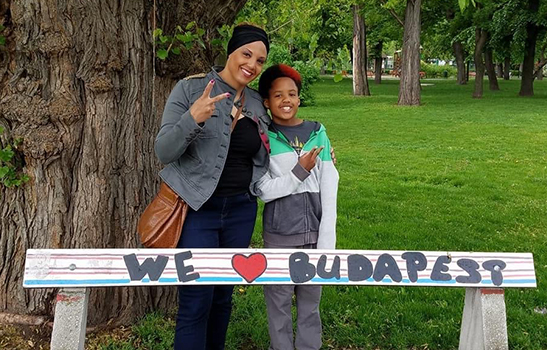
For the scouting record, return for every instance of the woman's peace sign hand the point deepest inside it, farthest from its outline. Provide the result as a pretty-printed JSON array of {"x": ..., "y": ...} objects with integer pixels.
[{"x": 203, "y": 107}]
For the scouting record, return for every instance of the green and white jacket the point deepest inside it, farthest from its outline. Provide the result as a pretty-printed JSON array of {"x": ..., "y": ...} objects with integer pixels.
[{"x": 300, "y": 205}]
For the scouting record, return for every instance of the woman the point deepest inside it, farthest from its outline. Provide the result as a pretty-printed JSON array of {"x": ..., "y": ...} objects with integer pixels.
[{"x": 214, "y": 144}]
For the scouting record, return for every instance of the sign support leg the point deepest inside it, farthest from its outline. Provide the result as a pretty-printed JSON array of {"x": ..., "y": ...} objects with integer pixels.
[
  {"x": 69, "y": 324},
  {"x": 484, "y": 325}
]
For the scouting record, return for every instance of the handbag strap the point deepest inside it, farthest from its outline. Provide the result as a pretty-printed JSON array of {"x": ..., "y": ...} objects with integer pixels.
[{"x": 238, "y": 113}]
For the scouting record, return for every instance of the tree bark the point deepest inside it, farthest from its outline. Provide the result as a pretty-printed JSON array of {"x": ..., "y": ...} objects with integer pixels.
[
  {"x": 360, "y": 80},
  {"x": 378, "y": 63},
  {"x": 542, "y": 62},
  {"x": 459, "y": 53},
  {"x": 480, "y": 42},
  {"x": 80, "y": 90},
  {"x": 527, "y": 81},
  {"x": 499, "y": 70},
  {"x": 409, "y": 86},
  {"x": 507, "y": 68},
  {"x": 491, "y": 70}
]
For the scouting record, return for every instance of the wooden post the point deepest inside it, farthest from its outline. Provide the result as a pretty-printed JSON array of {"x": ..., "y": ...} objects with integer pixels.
[
  {"x": 70, "y": 319},
  {"x": 484, "y": 325}
]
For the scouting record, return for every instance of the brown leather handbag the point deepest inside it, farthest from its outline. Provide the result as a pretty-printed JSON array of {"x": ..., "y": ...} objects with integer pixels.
[{"x": 161, "y": 223}]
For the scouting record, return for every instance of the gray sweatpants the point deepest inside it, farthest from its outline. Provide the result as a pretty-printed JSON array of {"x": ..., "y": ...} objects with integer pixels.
[{"x": 279, "y": 302}]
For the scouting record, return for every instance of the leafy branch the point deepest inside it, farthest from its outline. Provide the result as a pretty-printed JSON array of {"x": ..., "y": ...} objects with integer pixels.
[
  {"x": 186, "y": 39},
  {"x": 466, "y": 3},
  {"x": 2, "y": 38},
  {"x": 10, "y": 174}
]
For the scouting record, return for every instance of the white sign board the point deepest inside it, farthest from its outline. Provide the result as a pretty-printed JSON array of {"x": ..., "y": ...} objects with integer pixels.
[{"x": 145, "y": 267}]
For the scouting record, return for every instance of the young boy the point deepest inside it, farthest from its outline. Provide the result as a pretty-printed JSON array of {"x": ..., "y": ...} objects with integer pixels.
[{"x": 300, "y": 213}]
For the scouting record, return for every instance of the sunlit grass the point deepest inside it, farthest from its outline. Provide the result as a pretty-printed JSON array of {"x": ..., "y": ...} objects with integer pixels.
[{"x": 455, "y": 174}]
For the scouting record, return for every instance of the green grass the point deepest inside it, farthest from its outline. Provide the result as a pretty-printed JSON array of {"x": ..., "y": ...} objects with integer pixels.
[{"x": 455, "y": 174}]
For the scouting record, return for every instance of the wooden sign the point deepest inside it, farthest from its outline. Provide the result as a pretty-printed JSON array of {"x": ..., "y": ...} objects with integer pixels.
[{"x": 145, "y": 267}]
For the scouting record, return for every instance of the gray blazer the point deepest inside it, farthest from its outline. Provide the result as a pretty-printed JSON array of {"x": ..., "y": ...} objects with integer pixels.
[{"x": 194, "y": 154}]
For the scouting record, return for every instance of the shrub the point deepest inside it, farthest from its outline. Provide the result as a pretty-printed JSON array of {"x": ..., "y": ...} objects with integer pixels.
[
  {"x": 279, "y": 54},
  {"x": 434, "y": 71},
  {"x": 310, "y": 74},
  {"x": 308, "y": 70}
]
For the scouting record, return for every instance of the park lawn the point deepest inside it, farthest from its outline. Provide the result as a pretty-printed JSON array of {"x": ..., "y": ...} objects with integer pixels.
[{"x": 455, "y": 174}]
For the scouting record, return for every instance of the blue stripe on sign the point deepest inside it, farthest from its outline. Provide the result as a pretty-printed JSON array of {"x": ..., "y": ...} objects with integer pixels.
[
  {"x": 161, "y": 280},
  {"x": 330, "y": 280},
  {"x": 520, "y": 281},
  {"x": 168, "y": 280},
  {"x": 260, "y": 279},
  {"x": 509, "y": 281},
  {"x": 273, "y": 279},
  {"x": 219, "y": 279},
  {"x": 429, "y": 280},
  {"x": 77, "y": 282}
]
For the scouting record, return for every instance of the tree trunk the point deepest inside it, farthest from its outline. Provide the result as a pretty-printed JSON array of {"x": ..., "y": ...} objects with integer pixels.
[
  {"x": 81, "y": 92},
  {"x": 360, "y": 81},
  {"x": 480, "y": 42},
  {"x": 460, "y": 63},
  {"x": 542, "y": 62},
  {"x": 378, "y": 63},
  {"x": 527, "y": 81},
  {"x": 409, "y": 86},
  {"x": 507, "y": 68},
  {"x": 491, "y": 70},
  {"x": 378, "y": 70},
  {"x": 499, "y": 70}
]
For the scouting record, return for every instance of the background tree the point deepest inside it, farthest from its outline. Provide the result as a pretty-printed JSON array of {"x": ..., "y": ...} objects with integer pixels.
[
  {"x": 536, "y": 25},
  {"x": 334, "y": 28},
  {"x": 382, "y": 29},
  {"x": 542, "y": 58},
  {"x": 505, "y": 26},
  {"x": 481, "y": 19},
  {"x": 80, "y": 89},
  {"x": 490, "y": 68},
  {"x": 442, "y": 38},
  {"x": 309, "y": 28},
  {"x": 409, "y": 87},
  {"x": 528, "y": 22},
  {"x": 360, "y": 81}
]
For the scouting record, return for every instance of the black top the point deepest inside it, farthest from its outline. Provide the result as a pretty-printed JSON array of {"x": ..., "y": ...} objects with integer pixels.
[{"x": 238, "y": 170}]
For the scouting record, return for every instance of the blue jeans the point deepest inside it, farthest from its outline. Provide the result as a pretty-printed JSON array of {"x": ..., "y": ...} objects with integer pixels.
[{"x": 204, "y": 311}]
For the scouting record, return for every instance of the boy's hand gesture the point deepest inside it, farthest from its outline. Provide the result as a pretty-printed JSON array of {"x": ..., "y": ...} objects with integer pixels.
[
  {"x": 307, "y": 161},
  {"x": 204, "y": 106}
]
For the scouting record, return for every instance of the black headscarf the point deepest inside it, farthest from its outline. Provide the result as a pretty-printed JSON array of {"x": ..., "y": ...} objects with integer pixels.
[{"x": 244, "y": 34}]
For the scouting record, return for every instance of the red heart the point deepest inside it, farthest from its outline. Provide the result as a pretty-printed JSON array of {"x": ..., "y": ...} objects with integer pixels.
[{"x": 250, "y": 267}]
